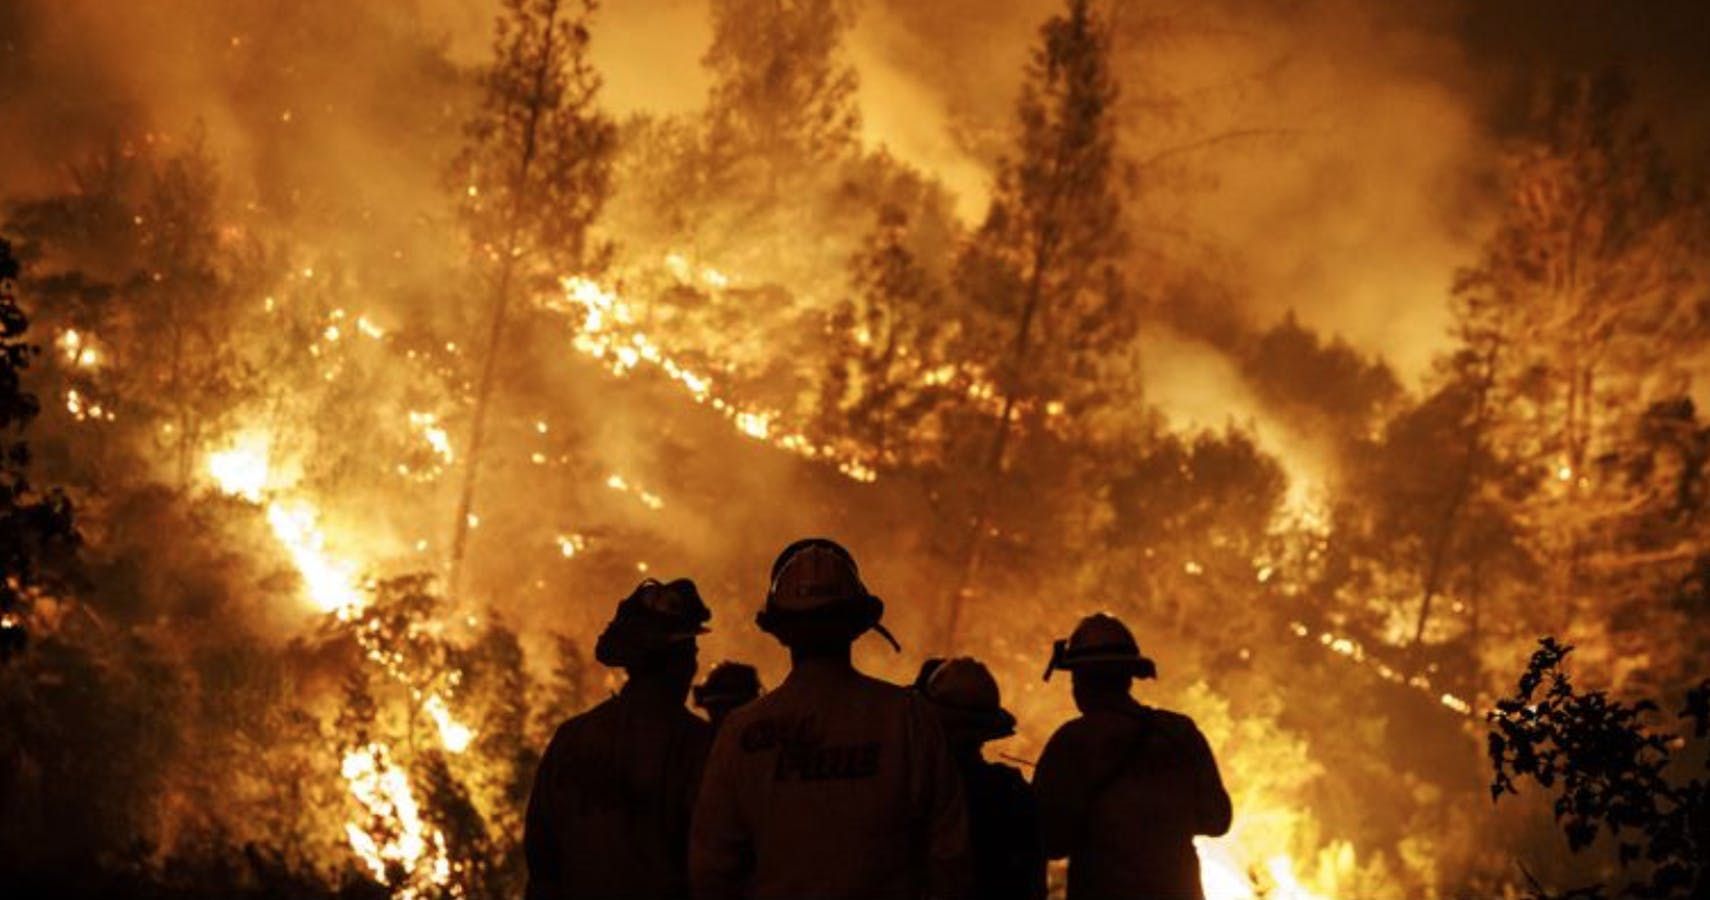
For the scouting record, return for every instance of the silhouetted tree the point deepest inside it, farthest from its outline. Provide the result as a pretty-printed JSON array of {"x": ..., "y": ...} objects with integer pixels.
[
  {"x": 1044, "y": 265},
  {"x": 1612, "y": 774},
  {"x": 533, "y": 177}
]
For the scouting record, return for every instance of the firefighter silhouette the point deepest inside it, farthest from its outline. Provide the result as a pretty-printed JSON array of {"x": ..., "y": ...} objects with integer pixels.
[
  {"x": 834, "y": 784},
  {"x": 610, "y": 809},
  {"x": 1124, "y": 787},
  {"x": 1003, "y": 820},
  {"x": 728, "y": 686}
]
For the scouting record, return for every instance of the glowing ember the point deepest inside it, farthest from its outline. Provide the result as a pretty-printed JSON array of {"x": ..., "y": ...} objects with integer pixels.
[
  {"x": 571, "y": 544},
  {"x": 1355, "y": 652},
  {"x": 79, "y": 349},
  {"x": 647, "y": 498}
]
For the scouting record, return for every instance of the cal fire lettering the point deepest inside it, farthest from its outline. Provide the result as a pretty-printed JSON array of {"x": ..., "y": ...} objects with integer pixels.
[{"x": 803, "y": 755}]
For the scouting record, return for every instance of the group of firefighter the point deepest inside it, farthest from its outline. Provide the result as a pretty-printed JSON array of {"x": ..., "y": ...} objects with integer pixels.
[{"x": 839, "y": 785}]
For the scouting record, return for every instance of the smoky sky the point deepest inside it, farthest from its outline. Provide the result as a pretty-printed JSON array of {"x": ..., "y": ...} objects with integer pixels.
[{"x": 1341, "y": 153}]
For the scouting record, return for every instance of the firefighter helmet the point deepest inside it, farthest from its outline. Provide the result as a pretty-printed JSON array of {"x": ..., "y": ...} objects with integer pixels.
[
  {"x": 728, "y": 685},
  {"x": 967, "y": 699},
  {"x": 816, "y": 588},
  {"x": 1101, "y": 642},
  {"x": 653, "y": 618}
]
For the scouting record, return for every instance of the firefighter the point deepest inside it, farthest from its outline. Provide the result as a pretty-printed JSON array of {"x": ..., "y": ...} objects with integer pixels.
[
  {"x": 1003, "y": 820},
  {"x": 834, "y": 784},
  {"x": 728, "y": 685},
  {"x": 1124, "y": 788},
  {"x": 609, "y": 812}
]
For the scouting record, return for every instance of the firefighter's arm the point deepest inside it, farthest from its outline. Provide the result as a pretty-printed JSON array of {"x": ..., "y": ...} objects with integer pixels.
[
  {"x": 1212, "y": 810},
  {"x": 949, "y": 860},
  {"x": 718, "y": 840},
  {"x": 1062, "y": 787},
  {"x": 540, "y": 846}
]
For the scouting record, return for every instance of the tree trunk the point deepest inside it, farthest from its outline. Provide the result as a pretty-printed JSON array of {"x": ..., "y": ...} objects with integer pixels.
[
  {"x": 501, "y": 304},
  {"x": 1457, "y": 504},
  {"x": 975, "y": 544}
]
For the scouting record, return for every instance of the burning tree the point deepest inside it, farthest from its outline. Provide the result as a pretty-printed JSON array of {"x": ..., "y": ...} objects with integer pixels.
[
  {"x": 533, "y": 178},
  {"x": 1585, "y": 309}
]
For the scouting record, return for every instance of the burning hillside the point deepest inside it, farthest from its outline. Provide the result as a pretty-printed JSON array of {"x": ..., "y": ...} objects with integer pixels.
[{"x": 371, "y": 364}]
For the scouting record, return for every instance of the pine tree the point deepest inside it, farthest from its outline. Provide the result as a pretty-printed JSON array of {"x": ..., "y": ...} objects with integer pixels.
[
  {"x": 783, "y": 96},
  {"x": 882, "y": 386},
  {"x": 534, "y": 175},
  {"x": 1044, "y": 267}
]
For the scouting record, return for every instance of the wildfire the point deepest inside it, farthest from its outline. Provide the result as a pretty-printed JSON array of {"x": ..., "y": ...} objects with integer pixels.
[
  {"x": 394, "y": 837},
  {"x": 1355, "y": 652},
  {"x": 401, "y": 838},
  {"x": 608, "y": 332}
]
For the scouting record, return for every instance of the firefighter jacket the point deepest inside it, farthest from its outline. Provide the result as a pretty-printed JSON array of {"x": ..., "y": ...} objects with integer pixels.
[
  {"x": 835, "y": 785},
  {"x": 609, "y": 813},
  {"x": 1003, "y": 822},
  {"x": 1122, "y": 792}
]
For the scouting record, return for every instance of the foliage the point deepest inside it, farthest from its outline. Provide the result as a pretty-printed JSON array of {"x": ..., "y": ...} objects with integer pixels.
[
  {"x": 531, "y": 180},
  {"x": 1613, "y": 771},
  {"x": 535, "y": 170},
  {"x": 36, "y": 528},
  {"x": 1584, "y": 308},
  {"x": 783, "y": 96},
  {"x": 889, "y": 369},
  {"x": 1042, "y": 276}
]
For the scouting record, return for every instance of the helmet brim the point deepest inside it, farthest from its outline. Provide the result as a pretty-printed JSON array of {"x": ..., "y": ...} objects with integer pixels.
[
  {"x": 979, "y": 724},
  {"x": 1141, "y": 667}
]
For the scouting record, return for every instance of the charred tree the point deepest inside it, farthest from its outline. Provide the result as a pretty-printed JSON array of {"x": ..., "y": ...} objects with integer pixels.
[{"x": 533, "y": 177}]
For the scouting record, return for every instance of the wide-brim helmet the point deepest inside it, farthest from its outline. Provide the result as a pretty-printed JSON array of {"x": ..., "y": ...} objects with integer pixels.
[
  {"x": 656, "y": 617},
  {"x": 728, "y": 685},
  {"x": 1101, "y": 642},
  {"x": 816, "y": 589},
  {"x": 967, "y": 700}
]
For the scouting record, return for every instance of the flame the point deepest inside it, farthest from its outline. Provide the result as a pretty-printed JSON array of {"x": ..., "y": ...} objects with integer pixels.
[
  {"x": 437, "y": 438},
  {"x": 397, "y": 836},
  {"x": 1224, "y": 876},
  {"x": 609, "y": 333},
  {"x": 571, "y": 544},
  {"x": 383, "y": 791},
  {"x": 241, "y": 470},
  {"x": 454, "y": 736},
  {"x": 332, "y": 584}
]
